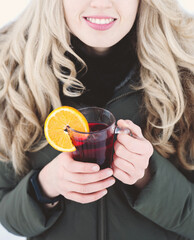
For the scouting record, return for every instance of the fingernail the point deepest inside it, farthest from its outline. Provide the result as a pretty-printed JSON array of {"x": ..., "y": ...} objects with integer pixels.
[
  {"x": 109, "y": 172},
  {"x": 112, "y": 181},
  {"x": 95, "y": 168},
  {"x": 104, "y": 192}
]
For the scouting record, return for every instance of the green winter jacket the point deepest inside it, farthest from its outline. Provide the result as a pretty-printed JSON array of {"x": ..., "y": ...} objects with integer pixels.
[{"x": 163, "y": 210}]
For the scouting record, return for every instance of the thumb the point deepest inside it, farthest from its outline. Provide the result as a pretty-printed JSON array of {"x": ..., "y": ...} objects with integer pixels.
[{"x": 65, "y": 156}]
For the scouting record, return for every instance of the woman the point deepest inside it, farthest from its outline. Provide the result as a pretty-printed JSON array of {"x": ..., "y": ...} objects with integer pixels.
[{"x": 140, "y": 66}]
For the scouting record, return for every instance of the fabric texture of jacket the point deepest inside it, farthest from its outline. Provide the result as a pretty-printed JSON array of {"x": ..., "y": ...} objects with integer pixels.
[{"x": 162, "y": 210}]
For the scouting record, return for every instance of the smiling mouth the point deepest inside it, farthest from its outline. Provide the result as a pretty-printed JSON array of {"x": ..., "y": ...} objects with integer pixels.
[{"x": 100, "y": 21}]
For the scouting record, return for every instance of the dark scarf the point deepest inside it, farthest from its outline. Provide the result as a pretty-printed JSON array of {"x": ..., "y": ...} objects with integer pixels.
[{"x": 105, "y": 72}]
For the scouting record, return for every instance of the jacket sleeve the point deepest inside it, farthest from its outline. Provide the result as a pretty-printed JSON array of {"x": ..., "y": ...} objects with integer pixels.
[
  {"x": 20, "y": 213},
  {"x": 168, "y": 199}
]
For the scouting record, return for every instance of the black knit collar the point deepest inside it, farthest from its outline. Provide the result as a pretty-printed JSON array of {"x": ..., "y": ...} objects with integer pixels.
[
  {"x": 105, "y": 72},
  {"x": 121, "y": 53}
]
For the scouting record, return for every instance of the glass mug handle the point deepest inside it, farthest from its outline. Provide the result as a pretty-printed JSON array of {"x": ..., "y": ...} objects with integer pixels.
[{"x": 123, "y": 130}]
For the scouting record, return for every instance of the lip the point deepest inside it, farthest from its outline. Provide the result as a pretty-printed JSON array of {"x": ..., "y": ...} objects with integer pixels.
[{"x": 100, "y": 27}]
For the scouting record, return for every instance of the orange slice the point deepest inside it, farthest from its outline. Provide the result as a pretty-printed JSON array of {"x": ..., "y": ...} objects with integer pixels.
[{"x": 56, "y": 124}]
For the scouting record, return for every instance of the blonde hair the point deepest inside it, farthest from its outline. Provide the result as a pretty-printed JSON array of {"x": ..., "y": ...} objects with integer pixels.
[
  {"x": 166, "y": 53},
  {"x": 32, "y": 52},
  {"x": 31, "y": 55}
]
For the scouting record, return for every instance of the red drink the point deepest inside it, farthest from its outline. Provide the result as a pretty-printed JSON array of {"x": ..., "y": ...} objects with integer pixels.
[{"x": 96, "y": 146}]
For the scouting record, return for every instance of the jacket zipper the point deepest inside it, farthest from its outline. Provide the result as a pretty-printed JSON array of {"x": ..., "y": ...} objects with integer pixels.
[
  {"x": 102, "y": 219},
  {"x": 102, "y": 202}
]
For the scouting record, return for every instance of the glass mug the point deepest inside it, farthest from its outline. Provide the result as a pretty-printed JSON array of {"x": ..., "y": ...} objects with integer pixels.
[{"x": 96, "y": 146}]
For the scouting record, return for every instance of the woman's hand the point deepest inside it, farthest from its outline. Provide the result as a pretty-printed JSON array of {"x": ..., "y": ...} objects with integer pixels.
[
  {"x": 132, "y": 154},
  {"x": 78, "y": 181}
]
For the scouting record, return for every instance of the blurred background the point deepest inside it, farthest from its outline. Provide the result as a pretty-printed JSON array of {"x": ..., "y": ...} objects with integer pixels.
[
  {"x": 9, "y": 10},
  {"x": 4, "y": 235}
]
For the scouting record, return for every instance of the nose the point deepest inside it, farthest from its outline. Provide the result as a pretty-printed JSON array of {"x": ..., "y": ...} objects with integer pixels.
[{"x": 101, "y": 3}]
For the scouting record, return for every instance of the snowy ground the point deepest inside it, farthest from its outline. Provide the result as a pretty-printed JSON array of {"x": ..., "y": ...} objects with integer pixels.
[{"x": 5, "y": 235}]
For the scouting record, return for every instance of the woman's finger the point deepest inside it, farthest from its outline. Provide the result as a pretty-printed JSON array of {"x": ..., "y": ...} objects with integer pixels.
[
  {"x": 124, "y": 165},
  {"x": 137, "y": 146},
  {"x": 122, "y": 152},
  {"x": 89, "y": 188},
  {"x": 131, "y": 144},
  {"x": 135, "y": 129},
  {"x": 135, "y": 143},
  {"x": 78, "y": 167},
  {"x": 88, "y": 177},
  {"x": 137, "y": 160},
  {"x": 85, "y": 198},
  {"x": 122, "y": 176}
]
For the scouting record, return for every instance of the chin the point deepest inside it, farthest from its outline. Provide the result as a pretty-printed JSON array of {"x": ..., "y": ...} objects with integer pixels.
[{"x": 101, "y": 44}]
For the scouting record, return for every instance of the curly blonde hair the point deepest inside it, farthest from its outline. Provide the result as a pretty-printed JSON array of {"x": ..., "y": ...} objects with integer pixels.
[
  {"x": 32, "y": 52},
  {"x": 31, "y": 55},
  {"x": 166, "y": 53}
]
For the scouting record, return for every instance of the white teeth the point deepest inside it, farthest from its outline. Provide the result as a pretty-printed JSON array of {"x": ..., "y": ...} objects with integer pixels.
[{"x": 100, "y": 21}]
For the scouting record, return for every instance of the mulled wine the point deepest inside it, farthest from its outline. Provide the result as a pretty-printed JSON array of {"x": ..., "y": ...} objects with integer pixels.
[{"x": 96, "y": 146}]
